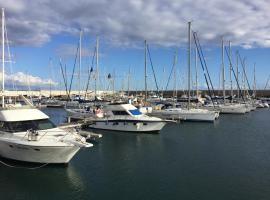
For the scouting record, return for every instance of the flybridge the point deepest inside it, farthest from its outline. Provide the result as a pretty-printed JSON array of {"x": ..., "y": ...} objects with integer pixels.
[{"x": 22, "y": 115}]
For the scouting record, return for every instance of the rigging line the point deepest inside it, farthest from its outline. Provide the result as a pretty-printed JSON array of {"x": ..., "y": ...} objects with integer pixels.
[
  {"x": 226, "y": 50},
  {"x": 267, "y": 82},
  {"x": 89, "y": 72},
  {"x": 201, "y": 61},
  {"x": 73, "y": 71},
  {"x": 65, "y": 81},
  {"x": 243, "y": 67},
  {"x": 152, "y": 67},
  {"x": 170, "y": 76},
  {"x": 200, "y": 49}
]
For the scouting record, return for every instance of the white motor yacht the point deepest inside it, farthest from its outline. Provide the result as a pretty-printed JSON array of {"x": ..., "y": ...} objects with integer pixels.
[
  {"x": 27, "y": 134},
  {"x": 126, "y": 117}
]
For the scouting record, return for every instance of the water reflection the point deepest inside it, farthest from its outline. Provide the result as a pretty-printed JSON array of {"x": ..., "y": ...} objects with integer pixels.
[{"x": 40, "y": 183}]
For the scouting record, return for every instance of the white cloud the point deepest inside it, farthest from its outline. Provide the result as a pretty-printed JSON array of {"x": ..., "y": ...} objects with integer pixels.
[
  {"x": 22, "y": 79},
  {"x": 128, "y": 23},
  {"x": 69, "y": 50}
]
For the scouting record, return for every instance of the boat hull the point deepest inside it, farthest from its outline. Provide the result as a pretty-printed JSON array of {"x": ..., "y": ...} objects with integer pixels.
[
  {"x": 233, "y": 109},
  {"x": 40, "y": 154},
  {"x": 189, "y": 116},
  {"x": 128, "y": 126}
]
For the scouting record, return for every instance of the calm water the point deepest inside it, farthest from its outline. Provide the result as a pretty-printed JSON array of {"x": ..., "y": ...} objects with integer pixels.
[{"x": 229, "y": 159}]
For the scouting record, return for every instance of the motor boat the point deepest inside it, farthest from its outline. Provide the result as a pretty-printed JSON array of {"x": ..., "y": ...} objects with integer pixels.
[
  {"x": 126, "y": 117},
  {"x": 27, "y": 134}
]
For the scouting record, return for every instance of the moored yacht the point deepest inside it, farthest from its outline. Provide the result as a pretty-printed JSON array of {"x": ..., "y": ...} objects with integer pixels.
[
  {"x": 126, "y": 117},
  {"x": 27, "y": 134},
  {"x": 233, "y": 108},
  {"x": 188, "y": 114}
]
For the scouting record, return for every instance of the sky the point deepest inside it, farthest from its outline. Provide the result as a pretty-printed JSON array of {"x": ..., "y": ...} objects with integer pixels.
[{"x": 43, "y": 32}]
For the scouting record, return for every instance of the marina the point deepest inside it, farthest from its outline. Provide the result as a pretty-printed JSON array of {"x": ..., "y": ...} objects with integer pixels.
[
  {"x": 227, "y": 159},
  {"x": 106, "y": 108}
]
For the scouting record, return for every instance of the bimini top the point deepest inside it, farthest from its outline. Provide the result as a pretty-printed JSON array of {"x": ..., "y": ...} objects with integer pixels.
[{"x": 22, "y": 114}]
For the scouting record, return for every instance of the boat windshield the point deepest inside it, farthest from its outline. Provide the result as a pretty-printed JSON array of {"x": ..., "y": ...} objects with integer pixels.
[
  {"x": 21, "y": 126},
  {"x": 120, "y": 112},
  {"x": 135, "y": 112}
]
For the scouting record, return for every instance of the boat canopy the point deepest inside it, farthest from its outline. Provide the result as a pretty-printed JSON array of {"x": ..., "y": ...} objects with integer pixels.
[{"x": 11, "y": 115}]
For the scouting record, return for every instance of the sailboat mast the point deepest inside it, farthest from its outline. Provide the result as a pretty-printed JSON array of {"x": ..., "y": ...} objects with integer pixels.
[
  {"x": 189, "y": 49},
  {"x": 223, "y": 69},
  {"x": 230, "y": 55},
  {"x": 237, "y": 74},
  {"x": 80, "y": 62},
  {"x": 196, "y": 68},
  {"x": 145, "y": 71},
  {"x": 174, "y": 76},
  {"x": 97, "y": 72},
  {"x": 3, "y": 57},
  {"x": 254, "y": 81},
  {"x": 128, "y": 80}
]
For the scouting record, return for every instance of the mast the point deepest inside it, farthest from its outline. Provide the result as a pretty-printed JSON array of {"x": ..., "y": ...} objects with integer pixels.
[
  {"x": 237, "y": 74},
  {"x": 174, "y": 75},
  {"x": 3, "y": 57},
  {"x": 50, "y": 66},
  {"x": 196, "y": 68},
  {"x": 145, "y": 71},
  {"x": 80, "y": 62},
  {"x": 96, "y": 77},
  {"x": 223, "y": 69},
  {"x": 230, "y": 55},
  {"x": 244, "y": 78},
  {"x": 254, "y": 81},
  {"x": 128, "y": 80},
  {"x": 189, "y": 49}
]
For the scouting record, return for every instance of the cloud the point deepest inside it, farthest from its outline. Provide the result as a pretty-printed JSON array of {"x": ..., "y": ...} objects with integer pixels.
[
  {"x": 69, "y": 50},
  {"x": 128, "y": 23},
  {"x": 22, "y": 79}
]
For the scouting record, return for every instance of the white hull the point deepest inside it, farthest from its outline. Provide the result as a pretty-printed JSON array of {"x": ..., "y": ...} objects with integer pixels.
[
  {"x": 129, "y": 126},
  {"x": 37, "y": 154},
  {"x": 188, "y": 115},
  {"x": 266, "y": 105},
  {"x": 233, "y": 109}
]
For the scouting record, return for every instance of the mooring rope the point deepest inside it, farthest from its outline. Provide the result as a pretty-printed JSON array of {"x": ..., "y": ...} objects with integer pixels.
[{"x": 19, "y": 167}]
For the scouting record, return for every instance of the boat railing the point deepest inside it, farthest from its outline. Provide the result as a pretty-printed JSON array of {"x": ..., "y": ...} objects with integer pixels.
[{"x": 37, "y": 135}]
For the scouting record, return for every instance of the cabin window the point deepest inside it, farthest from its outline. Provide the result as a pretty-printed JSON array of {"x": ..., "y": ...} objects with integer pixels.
[
  {"x": 115, "y": 123},
  {"x": 21, "y": 126},
  {"x": 145, "y": 123},
  {"x": 135, "y": 112},
  {"x": 119, "y": 112},
  {"x": 135, "y": 123}
]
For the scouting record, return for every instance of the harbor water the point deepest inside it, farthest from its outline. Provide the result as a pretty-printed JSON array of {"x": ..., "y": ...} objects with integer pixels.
[{"x": 228, "y": 159}]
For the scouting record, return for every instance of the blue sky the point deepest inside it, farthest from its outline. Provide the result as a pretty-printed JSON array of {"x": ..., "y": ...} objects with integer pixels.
[{"x": 40, "y": 30}]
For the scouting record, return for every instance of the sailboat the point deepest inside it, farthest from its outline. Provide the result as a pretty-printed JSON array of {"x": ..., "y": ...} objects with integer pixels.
[
  {"x": 189, "y": 114},
  {"x": 229, "y": 108},
  {"x": 28, "y": 135}
]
